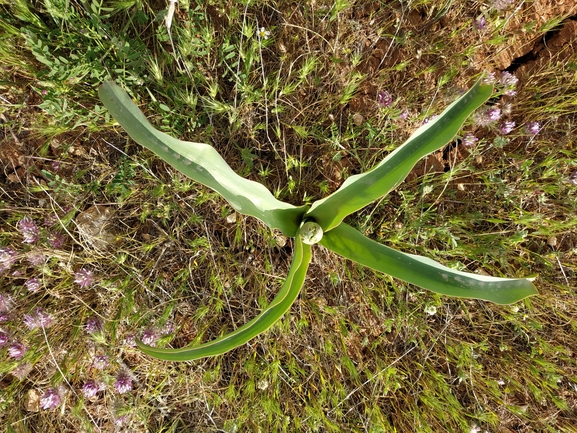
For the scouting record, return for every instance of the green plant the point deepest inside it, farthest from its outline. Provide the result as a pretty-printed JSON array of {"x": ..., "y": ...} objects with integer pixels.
[{"x": 322, "y": 222}]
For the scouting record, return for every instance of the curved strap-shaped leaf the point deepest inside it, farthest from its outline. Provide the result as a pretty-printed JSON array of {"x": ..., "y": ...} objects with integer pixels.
[
  {"x": 273, "y": 312},
  {"x": 361, "y": 189},
  {"x": 202, "y": 163},
  {"x": 424, "y": 272}
]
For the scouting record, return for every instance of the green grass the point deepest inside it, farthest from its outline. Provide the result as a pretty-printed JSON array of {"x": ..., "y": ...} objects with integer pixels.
[{"x": 298, "y": 112}]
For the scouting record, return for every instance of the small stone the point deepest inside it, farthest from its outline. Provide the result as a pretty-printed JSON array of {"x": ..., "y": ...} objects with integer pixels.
[
  {"x": 358, "y": 119},
  {"x": 32, "y": 403}
]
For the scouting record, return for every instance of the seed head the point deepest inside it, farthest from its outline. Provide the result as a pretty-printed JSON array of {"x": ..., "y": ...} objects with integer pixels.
[
  {"x": 29, "y": 230},
  {"x": 501, "y": 4},
  {"x": 22, "y": 370},
  {"x": 50, "y": 399}
]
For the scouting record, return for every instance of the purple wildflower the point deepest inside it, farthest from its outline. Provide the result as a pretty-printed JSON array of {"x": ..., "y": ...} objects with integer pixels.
[
  {"x": 29, "y": 230},
  {"x": 56, "y": 240},
  {"x": 7, "y": 258},
  {"x": 130, "y": 340},
  {"x": 149, "y": 336},
  {"x": 93, "y": 324},
  {"x": 493, "y": 114},
  {"x": 480, "y": 23},
  {"x": 50, "y": 399},
  {"x": 507, "y": 79},
  {"x": 55, "y": 165},
  {"x": 91, "y": 388},
  {"x": 507, "y": 127},
  {"x": 469, "y": 139},
  {"x": 39, "y": 319},
  {"x": 489, "y": 78},
  {"x": 487, "y": 116},
  {"x": 35, "y": 258},
  {"x": 121, "y": 420},
  {"x": 167, "y": 328},
  {"x": 4, "y": 338},
  {"x": 4, "y": 317},
  {"x": 84, "y": 278},
  {"x": 573, "y": 178},
  {"x": 430, "y": 118},
  {"x": 532, "y": 128},
  {"x": 50, "y": 220},
  {"x": 384, "y": 99},
  {"x": 33, "y": 284},
  {"x": 509, "y": 82},
  {"x": 100, "y": 362},
  {"x": 123, "y": 382},
  {"x": 17, "y": 350},
  {"x": 5, "y": 303},
  {"x": 404, "y": 115}
]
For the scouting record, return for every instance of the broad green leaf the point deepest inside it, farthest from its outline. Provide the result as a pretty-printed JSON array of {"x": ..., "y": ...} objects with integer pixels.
[
  {"x": 273, "y": 312},
  {"x": 361, "y": 189},
  {"x": 424, "y": 272},
  {"x": 202, "y": 163}
]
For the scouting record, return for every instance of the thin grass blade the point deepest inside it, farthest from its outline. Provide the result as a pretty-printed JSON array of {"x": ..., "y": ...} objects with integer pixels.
[
  {"x": 424, "y": 272},
  {"x": 361, "y": 189},
  {"x": 273, "y": 312},
  {"x": 202, "y": 163}
]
